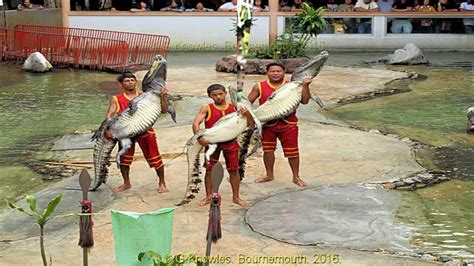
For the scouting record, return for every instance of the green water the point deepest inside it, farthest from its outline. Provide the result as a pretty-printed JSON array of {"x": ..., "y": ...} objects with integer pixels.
[
  {"x": 37, "y": 108},
  {"x": 434, "y": 113}
]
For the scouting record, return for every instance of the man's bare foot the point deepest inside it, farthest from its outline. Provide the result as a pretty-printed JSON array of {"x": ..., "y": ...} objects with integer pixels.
[
  {"x": 204, "y": 201},
  {"x": 264, "y": 179},
  {"x": 240, "y": 202},
  {"x": 162, "y": 188},
  {"x": 122, "y": 188},
  {"x": 299, "y": 182}
]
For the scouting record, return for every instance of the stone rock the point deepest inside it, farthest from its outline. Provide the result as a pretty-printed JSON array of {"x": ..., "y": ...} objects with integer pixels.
[
  {"x": 470, "y": 120},
  {"x": 257, "y": 66},
  {"x": 408, "y": 55},
  {"x": 36, "y": 62}
]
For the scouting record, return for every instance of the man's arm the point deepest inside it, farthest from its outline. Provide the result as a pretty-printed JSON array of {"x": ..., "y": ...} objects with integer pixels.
[
  {"x": 254, "y": 93},
  {"x": 245, "y": 112},
  {"x": 164, "y": 103},
  {"x": 112, "y": 108},
  {"x": 306, "y": 94},
  {"x": 199, "y": 118}
]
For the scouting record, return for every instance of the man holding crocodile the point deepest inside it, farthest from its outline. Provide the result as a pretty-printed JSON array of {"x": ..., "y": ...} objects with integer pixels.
[
  {"x": 285, "y": 129},
  {"x": 146, "y": 140}
]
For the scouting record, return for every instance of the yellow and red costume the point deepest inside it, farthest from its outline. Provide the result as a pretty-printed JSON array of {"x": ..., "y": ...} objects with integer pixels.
[
  {"x": 146, "y": 140},
  {"x": 285, "y": 129},
  {"x": 229, "y": 148}
]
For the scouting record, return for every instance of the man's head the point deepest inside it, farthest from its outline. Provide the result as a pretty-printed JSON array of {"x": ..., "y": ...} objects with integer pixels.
[
  {"x": 367, "y": 1},
  {"x": 26, "y": 2},
  {"x": 234, "y": 2},
  {"x": 217, "y": 93},
  {"x": 127, "y": 80},
  {"x": 275, "y": 72}
]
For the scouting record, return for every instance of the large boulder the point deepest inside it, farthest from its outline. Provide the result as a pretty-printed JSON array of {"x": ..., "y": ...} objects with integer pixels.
[
  {"x": 257, "y": 66},
  {"x": 36, "y": 62},
  {"x": 470, "y": 120},
  {"x": 408, "y": 55}
]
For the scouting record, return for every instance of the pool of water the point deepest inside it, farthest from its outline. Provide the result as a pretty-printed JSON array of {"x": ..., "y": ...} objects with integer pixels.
[
  {"x": 433, "y": 113},
  {"x": 36, "y": 109}
]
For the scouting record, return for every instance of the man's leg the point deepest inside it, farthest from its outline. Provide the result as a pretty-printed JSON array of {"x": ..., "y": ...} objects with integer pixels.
[
  {"x": 268, "y": 145},
  {"x": 125, "y": 170},
  {"x": 295, "y": 169},
  {"x": 208, "y": 179},
  {"x": 289, "y": 142},
  {"x": 235, "y": 184},
  {"x": 208, "y": 185},
  {"x": 161, "y": 176},
  {"x": 269, "y": 161}
]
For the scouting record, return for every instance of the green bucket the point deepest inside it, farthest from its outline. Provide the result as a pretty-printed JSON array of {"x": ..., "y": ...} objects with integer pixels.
[{"x": 140, "y": 232}]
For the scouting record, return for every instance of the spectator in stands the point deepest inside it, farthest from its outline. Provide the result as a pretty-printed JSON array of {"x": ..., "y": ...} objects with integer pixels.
[
  {"x": 445, "y": 25},
  {"x": 142, "y": 6},
  {"x": 319, "y": 3},
  {"x": 424, "y": 25},
  {"x": 175, "y": 5},
  {"x": 297, "y": 5},
  {"x": 229, "y": 6},
  {"x": 27, "y": 5},
  {"x": 349, "y": 23},
  {"x": 385, "y": 5},
  {"x": 332, "y": 5},
  {"x": 401, "y": 25},
  {"x": 259, "y": 7},
  {"x": 121, "y": 5},
  {"x": 365, "y": 24},
  {"x": 284, "y": 6},
  {"x": 200, "y": 8},
  {"x": 79, "y": 3},
  {"x": 468, "y": 22}
]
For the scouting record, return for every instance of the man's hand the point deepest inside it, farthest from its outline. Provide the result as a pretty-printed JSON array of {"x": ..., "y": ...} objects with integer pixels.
[
  {"x": 307, "y": 81},
  {"x": 108, "y": 135},
  {"x": 204, "y": 142},
  {"x": 163, "y": 92},
  {"x": 242, "y": 109}
]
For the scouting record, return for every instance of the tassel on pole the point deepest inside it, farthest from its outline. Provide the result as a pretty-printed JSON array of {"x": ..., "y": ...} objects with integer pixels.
[
  {"x": 214, "y": 230},
  {"x": 86, "y": 238}
]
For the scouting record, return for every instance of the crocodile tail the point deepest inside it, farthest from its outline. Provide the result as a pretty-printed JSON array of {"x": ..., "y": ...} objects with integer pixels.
[
  {"x": 192, "y": 150},
  {"x": 102, "y": 149},
  {"x": 244, "y": 147}
]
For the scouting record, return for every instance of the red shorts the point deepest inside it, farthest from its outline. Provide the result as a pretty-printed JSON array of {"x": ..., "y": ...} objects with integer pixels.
[
  {"x": 149, "y": 147},
  {"x": 231, "y": 155},
  {"x": 288, "y": 135}
]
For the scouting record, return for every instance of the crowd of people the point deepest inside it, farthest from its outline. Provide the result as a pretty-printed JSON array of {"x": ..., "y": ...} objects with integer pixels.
[{"x": 343, "y": 25}]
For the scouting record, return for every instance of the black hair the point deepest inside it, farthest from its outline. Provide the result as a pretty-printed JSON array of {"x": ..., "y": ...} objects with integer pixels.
[
  {"x": 276, "y": 64},
  {"x": 215, "y": 87},
  {"x": 126, "y": 74}
]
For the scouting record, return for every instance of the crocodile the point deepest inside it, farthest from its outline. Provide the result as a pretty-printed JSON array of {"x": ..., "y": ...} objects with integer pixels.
[
  {"x": 280, "y": 104},
  {"x": 141, "y": 114}
]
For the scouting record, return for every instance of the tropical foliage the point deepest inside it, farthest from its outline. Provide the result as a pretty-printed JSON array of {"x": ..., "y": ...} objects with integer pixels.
[{"x": 299, "y": 31}]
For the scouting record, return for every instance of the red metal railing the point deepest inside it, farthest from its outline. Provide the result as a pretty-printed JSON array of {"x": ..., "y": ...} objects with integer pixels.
[
  {"x": 63, "y": 49},
  {"x": 142, "y": 47}
]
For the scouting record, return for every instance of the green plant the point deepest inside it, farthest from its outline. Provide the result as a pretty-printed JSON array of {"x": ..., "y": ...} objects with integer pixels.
[
  {"x": 310, "y": 23},
  {"x": 166, "y": 260},
  {"x": 300, "y": 29},
  {"x": 41, "y": 217}
]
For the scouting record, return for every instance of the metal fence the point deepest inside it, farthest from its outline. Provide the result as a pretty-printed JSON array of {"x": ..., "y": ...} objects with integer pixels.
[
  {"x": 141, "y": 47},
  {"x": 65, "y": 49}
]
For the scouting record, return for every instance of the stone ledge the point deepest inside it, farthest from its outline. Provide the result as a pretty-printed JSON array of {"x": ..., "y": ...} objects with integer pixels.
[{"x": 257, "y": 66}]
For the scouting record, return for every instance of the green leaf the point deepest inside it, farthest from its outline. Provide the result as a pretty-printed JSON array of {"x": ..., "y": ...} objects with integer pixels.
[
  {"x": 14, "y": 207},
  {"x": 50, "y": 209},
  {"x": 32, "y": 202}
]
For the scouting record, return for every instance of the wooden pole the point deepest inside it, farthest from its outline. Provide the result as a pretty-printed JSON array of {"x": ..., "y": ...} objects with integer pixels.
[
  {"x": 273, "y": 30},
  {"x": 65, "y": 9}
]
